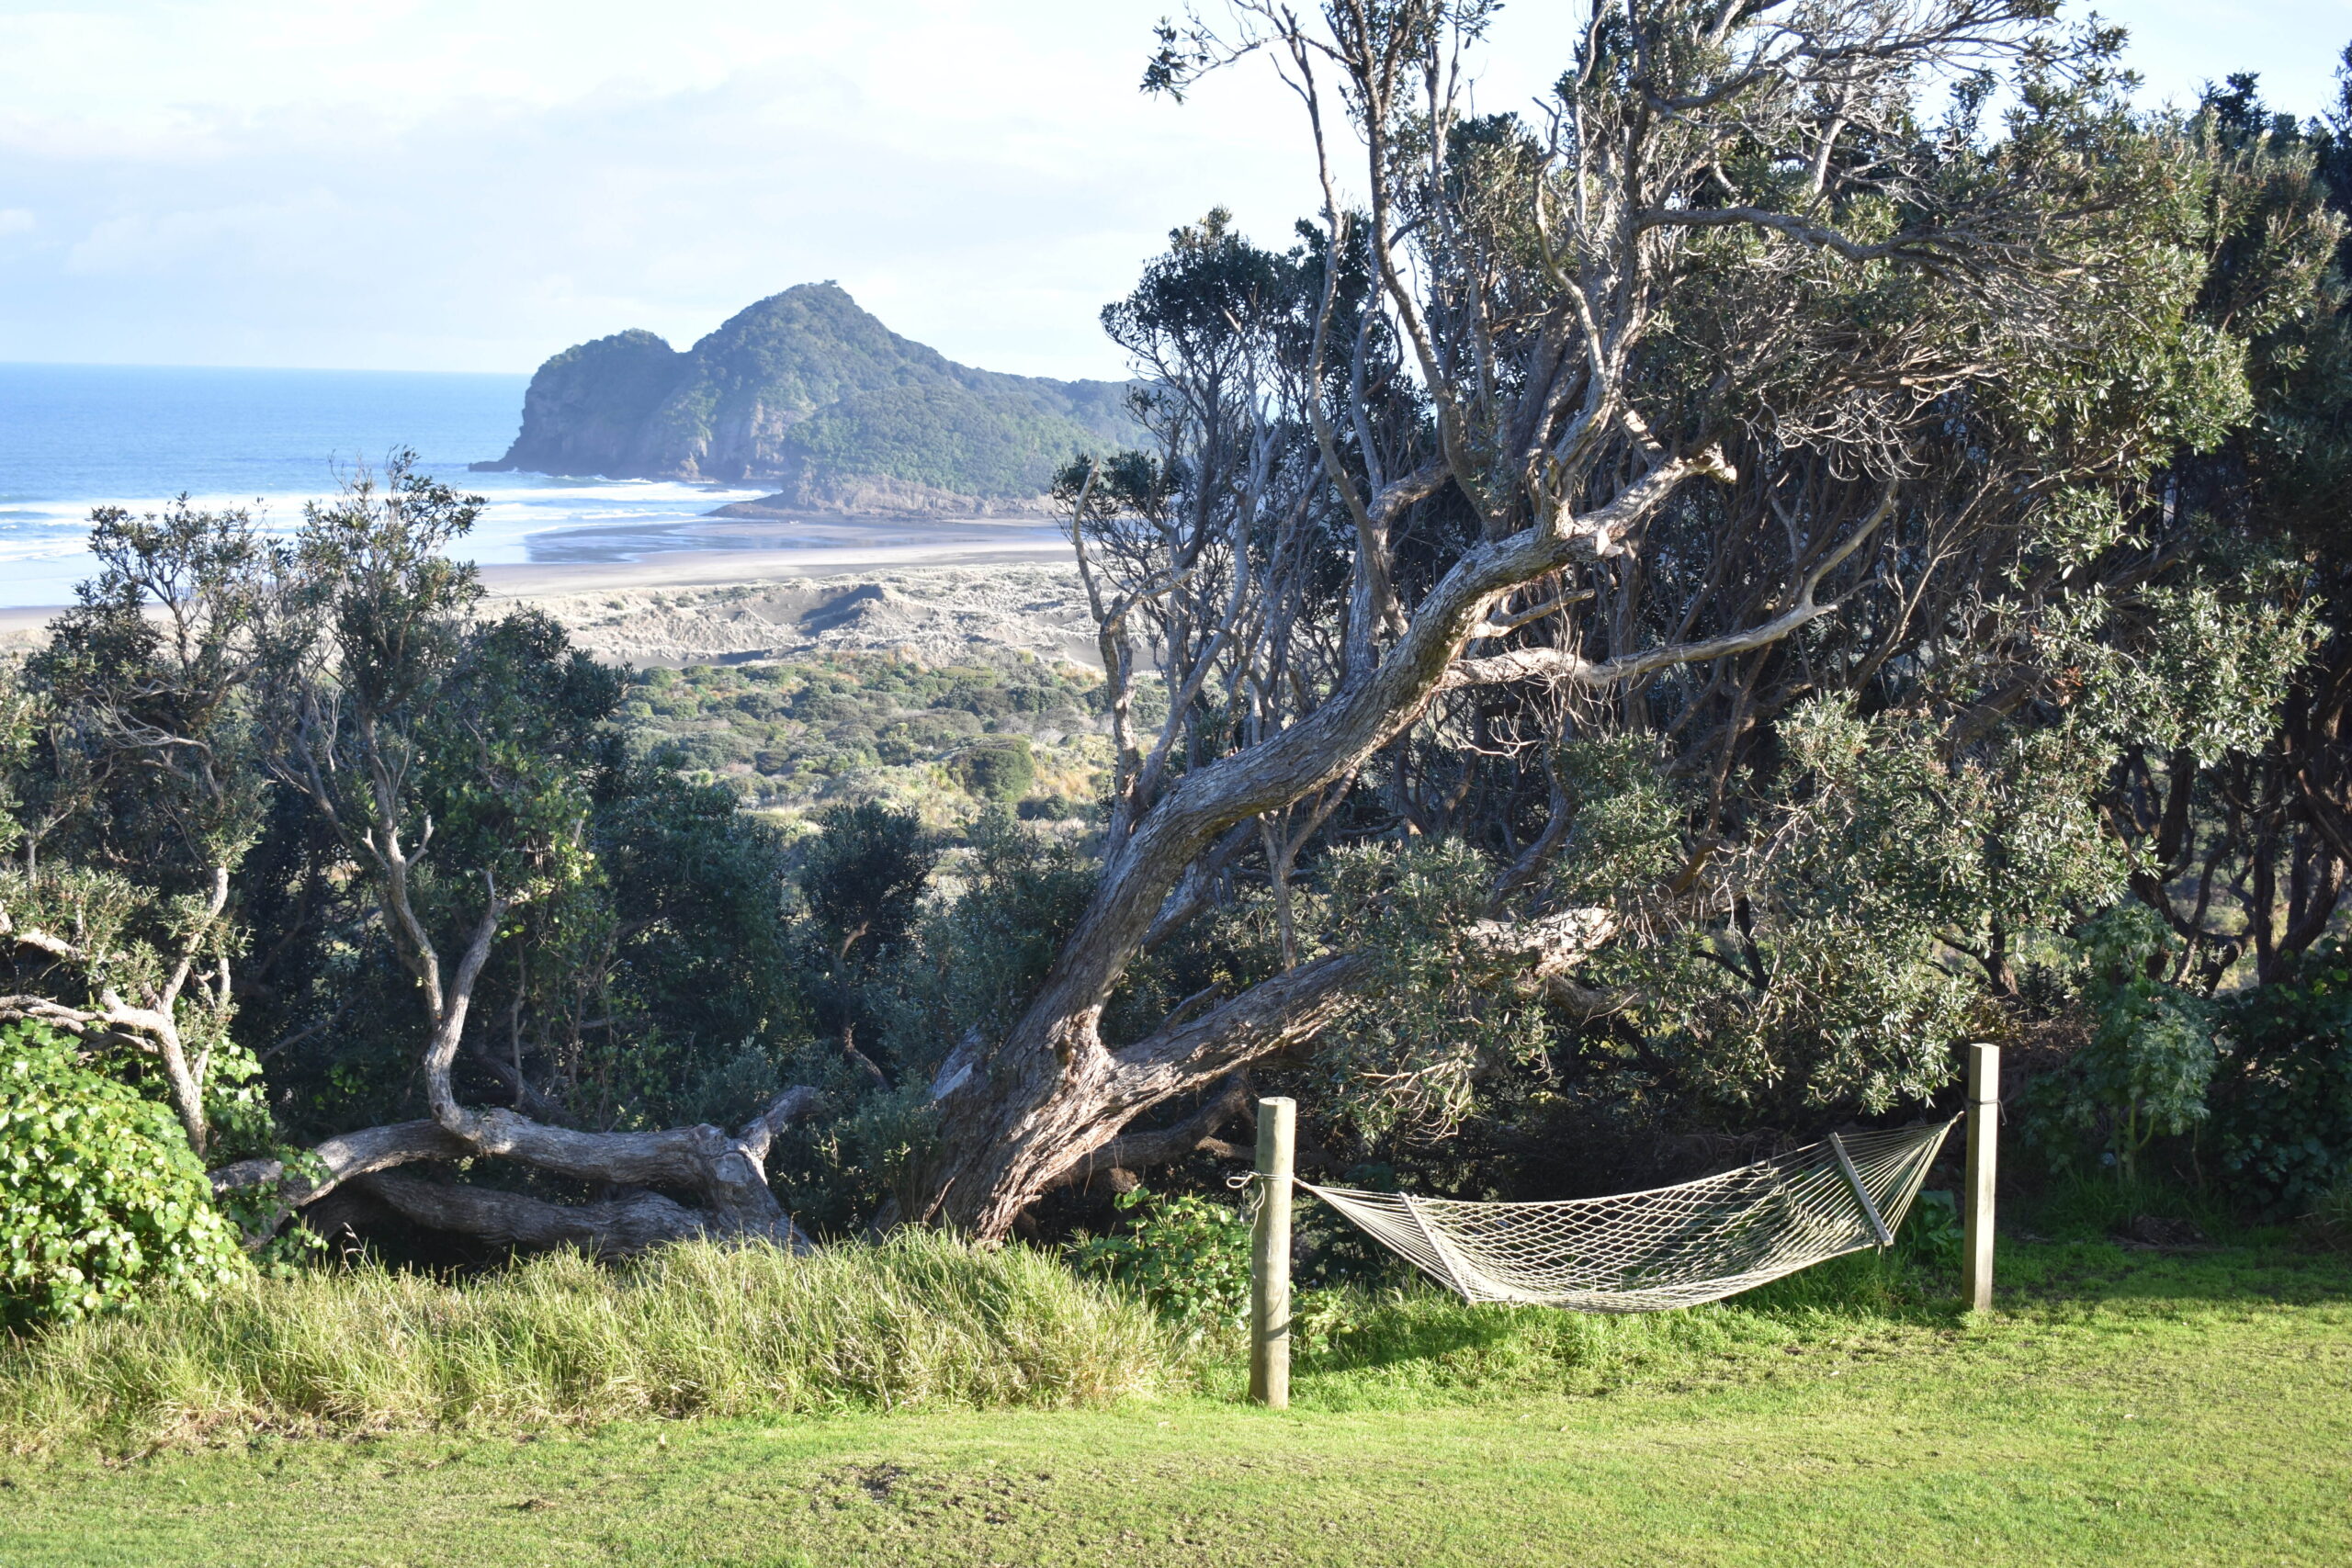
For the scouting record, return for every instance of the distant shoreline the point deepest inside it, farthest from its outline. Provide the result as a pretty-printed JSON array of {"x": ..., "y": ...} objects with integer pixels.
[
  {"x": 728, "y": 568},
  {"x": 273, "y": 440},
  {"x": 21, "y": 626}
]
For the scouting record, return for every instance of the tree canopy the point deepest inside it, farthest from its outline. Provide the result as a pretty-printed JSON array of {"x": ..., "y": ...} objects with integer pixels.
[{"x": 1663, "y": 616}]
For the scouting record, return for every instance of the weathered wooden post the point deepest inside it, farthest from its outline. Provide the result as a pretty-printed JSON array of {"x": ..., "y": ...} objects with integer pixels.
[
  {"x": 1983, "y": 1152},
  {"x": 1270, "y": 1256}
]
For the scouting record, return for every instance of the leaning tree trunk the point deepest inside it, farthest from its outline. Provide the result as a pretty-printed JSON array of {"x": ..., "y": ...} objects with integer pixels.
[{"x": 1015, "y": 1120}]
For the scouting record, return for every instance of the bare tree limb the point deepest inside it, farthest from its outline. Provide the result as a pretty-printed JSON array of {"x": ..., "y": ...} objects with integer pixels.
[{"x": 615, "y": 1228}]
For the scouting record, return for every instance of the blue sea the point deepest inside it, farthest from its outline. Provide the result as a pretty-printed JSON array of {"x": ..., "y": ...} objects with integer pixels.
[{"x": 75, "y": 436}]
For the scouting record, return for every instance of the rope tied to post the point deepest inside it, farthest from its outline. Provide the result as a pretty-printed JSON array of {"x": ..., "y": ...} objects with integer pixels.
[{"x": 1253, "y": 1191}]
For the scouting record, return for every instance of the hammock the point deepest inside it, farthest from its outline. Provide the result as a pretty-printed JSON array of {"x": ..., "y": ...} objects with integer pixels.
[{"x": 1671, "y": 1246}]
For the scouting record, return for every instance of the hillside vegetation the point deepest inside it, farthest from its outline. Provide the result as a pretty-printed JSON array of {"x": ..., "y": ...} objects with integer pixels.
[
  {"x": 801, "y": 732},
  {"x": 806, "y": 389}
]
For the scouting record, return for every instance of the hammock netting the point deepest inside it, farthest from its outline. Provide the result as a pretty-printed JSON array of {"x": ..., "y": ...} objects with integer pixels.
[{"x": 1671, "y": 1246}]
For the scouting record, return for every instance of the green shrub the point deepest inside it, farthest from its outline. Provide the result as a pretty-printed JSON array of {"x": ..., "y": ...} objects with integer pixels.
[
  {"x": 1933, "y": 1235},
  {"x": 1189, "y": 1256},
  {"x": 100, "y": 1194},
  {"x": 2150, "y": 1057},
  {"x": 1002, "y": 769},
  {"x": 2283, "y": 1101},
  {"x": 694, "y": 1329}
]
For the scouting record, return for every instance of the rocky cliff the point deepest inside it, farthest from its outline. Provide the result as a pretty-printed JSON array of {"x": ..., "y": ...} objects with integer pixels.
[{"x": 808, "y": 392}]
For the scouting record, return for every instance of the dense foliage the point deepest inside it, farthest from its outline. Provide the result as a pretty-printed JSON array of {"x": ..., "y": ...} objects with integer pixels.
[
  {"x": 100, "y": 1196},
  {"x": 2283, "y": 1101},
  {"x": 1979, "y": 675},
  {"x": 2062, "y": 764}
]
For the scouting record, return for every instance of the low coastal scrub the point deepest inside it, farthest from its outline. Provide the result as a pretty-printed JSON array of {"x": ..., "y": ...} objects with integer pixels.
[
  {"x": 691, "y": 1330},
  {"x": 789, "y": 735}
]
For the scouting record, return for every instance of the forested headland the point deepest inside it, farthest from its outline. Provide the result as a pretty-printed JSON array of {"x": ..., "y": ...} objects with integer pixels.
[
  {"x": 1624, "y": 643},
  {"x": 806, "y": 390}
]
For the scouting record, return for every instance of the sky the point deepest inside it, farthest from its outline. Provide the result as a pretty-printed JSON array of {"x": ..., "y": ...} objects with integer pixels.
[{"x": 474, "y": 185}]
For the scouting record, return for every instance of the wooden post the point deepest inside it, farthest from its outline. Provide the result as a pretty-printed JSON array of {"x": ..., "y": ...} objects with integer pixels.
[
  {"x": 1270, "y": 1256},
  {"x": 1984, "y": 1151}
]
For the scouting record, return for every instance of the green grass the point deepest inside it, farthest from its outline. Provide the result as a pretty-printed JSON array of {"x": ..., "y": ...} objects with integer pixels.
[
  {"x": 2121, "y": 1407},
  {"x": 692, "y": 1330}
]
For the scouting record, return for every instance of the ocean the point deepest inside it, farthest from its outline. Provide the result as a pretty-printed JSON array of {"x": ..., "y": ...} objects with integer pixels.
[{"x": 75, "y": 436}]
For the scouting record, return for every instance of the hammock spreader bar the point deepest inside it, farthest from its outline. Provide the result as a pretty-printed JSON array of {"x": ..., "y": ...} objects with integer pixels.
[{"x": 1862, "y": 1193}]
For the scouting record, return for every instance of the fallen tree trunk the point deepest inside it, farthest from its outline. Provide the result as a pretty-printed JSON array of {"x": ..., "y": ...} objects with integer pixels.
[
  {"x": 727, "y": 1173},
  {"x": 349, "y": 767},
  {"x": 616, "y": 1226}
]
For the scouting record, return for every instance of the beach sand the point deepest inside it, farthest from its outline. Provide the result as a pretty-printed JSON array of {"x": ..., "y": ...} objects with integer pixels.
[
  {"x": 936, "y": 613},
  {"x": 929, "y": 589}
]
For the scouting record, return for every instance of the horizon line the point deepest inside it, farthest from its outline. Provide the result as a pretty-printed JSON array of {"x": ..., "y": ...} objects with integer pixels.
[{"x": 255, "y": 369}]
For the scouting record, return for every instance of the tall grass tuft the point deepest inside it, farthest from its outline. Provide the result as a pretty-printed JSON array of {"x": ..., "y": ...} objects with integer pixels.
[
  {"x": 2093, "y": 1205},
  {"x": 2330, "y": 1220},
  {"x": 694, "y": 1329}
]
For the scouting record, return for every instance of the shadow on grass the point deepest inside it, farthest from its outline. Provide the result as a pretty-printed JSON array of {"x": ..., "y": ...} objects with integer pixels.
[
  {"x": 1366, "y": 1349},
  {"x": 2273, "y": 1271}
]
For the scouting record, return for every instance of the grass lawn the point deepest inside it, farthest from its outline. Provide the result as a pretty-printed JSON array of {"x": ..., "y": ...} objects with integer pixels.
[{"x": 2119, "y": 1408}]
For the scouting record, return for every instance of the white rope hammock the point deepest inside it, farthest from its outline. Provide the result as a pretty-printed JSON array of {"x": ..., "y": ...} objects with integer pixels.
[{"x": 1671, "y": 1246}]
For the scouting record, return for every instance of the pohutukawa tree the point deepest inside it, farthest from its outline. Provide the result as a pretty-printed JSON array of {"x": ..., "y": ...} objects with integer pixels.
[{"x": 1727, "y": 377}]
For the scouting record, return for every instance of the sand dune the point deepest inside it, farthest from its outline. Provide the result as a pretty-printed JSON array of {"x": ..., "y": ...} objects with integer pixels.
[
  {"x": 933, "y": 613},
  {"x": 932, "y": 591}
]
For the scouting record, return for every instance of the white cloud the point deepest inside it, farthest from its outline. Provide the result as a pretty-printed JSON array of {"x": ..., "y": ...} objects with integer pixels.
[
  {"x": 473, "y": 185},
  {"x": 488, "y": 184}
]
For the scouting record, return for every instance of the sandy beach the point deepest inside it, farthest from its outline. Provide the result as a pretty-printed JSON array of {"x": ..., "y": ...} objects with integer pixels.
[
  {"x": 935, "y": 610},
  {"x": 728, "y": 591}
]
